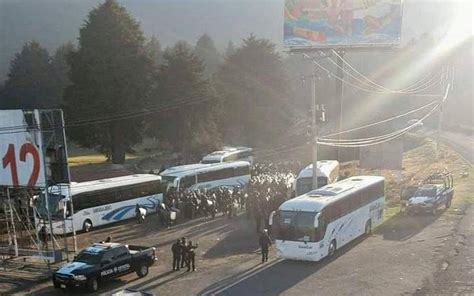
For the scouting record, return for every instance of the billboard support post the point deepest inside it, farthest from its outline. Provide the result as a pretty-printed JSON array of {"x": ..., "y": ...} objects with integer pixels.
[{"x": 12, "y": 220}]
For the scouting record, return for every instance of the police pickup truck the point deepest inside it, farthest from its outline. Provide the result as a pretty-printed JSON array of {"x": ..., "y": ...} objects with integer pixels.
[
  {"x": 436, "y": 192},
  {"x": 101, "y": 262}
]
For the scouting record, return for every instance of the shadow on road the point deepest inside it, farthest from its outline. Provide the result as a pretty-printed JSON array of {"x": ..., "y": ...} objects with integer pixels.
[
  {"x": 236, "y": 240},
  {"x": 103, "y": 288},
  {"x": 402, "y": 227},
  {"x": 272, "y": 279}
]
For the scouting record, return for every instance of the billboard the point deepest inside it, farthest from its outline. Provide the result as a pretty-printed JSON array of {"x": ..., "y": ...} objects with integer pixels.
[
  {"x": 342, "y": 23},
  {"x": 21, "y": 154}
]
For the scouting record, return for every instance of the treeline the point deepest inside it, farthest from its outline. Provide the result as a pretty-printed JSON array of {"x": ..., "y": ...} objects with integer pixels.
[{"x": 117, "y": 87}]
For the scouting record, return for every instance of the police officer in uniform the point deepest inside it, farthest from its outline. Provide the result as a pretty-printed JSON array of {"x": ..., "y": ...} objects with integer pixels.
[
  {"x": 183, "y": 252},
  {"x": 176, "y": 250},
  {"x": 190, "y": 256},
  {"x": 265, "y": 242}
]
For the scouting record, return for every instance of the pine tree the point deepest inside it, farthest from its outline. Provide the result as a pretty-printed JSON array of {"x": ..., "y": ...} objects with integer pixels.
[
  {"x": 60, "y": 71},
  {"x": 190, "y": 129},
  {"x": 253, "y": 85},
  {"x": 153, "y": 48},
  {"x": 30, "y": 83},
  {"x": 207, "y": 52},
  {"x": 110, "y": 75},
  {"x": 230, "y": 49}
]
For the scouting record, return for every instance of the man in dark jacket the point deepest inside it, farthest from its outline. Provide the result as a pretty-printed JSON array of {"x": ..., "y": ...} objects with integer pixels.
[
  {"x": 265, "y": 242},
  {"x": 190, "y": 256},
  {"x": 176, "y": 250},
  {"x": 183, "y": 252}
]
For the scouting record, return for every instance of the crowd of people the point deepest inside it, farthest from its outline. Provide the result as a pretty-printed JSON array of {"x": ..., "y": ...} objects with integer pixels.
[
  {"x": 201, "y": 203},
  {"x": 270, "y": 185}
]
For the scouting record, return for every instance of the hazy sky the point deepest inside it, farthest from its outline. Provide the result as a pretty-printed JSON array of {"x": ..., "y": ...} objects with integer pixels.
[{"x": 53, "y": 22}]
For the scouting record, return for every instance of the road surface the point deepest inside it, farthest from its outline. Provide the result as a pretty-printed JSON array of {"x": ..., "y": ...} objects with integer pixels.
[{"x": 401, "y": 257}]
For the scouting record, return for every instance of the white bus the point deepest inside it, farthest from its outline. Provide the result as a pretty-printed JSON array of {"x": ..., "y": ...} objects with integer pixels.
[
  {"x": 228, "y": 154},
  {"x": 312, "y": 226},
  {"x": 100, "y": 202},
  {"x": 207, "y": 176},
  {"x": 328, "y": 172}
]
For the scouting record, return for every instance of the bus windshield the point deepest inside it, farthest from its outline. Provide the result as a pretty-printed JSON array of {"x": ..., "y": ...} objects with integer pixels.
[
  {"x": 168, "y": 181},
  {"x": 305, "y": 185},
  {"x": 296, "y": 226},
  {"x": 53, "y": 204}
]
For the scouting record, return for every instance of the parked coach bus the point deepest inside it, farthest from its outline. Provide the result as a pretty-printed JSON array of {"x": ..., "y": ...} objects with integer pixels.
[
  {"x": 328, "y": 172},
  {"x": 100, "y": 202},
  {"x": 229, "y": 154},
  {"x": 316, "y": 224},
  {"x": 207, "y": 176}
]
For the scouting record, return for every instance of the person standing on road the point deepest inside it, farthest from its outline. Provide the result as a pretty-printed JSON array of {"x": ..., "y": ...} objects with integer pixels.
[
  {"x": 190, "y": 256},
  {"x": 176, "y": 250},
  {"x": 265, "y": 243},
  {"x": 183, "y": 252}
]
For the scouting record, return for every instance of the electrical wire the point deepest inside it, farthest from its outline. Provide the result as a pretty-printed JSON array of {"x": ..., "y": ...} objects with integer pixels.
[
  {"x": 380, "y": 122},
  {"x": 384, "y": 138},
  {"x": 381, "y": 87},
  {"x": 331, "y": 74},
  {"x": 97, "y": 120}
]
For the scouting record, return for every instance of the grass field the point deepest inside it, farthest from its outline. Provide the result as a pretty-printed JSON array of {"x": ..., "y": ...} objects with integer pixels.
[{"x": 421, "y": 162}]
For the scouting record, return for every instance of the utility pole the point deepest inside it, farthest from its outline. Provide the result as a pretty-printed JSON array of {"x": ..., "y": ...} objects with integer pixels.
[
  {"x": 314, "y": 129},
  {"x": 340, "y": 98}
]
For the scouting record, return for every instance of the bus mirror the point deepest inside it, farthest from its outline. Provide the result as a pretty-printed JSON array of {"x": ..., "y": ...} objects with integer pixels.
[{"x": 270, "y": 220}]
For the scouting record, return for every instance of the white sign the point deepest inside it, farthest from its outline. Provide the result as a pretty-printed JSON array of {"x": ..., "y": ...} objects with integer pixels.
[{"x": 20, "y": 151}]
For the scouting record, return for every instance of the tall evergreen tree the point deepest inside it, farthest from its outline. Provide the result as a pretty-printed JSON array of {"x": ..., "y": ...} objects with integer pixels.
[
  {"x": 230, "y": 49},
  {"x": 110, "y": 75},
  {"x": 191, "y": 128},
  {"x": 253, "y": 85},
  {"x": 153, "y": 48},
  {"x": 207, "y": 52},
  {"x": 60, "y": 71},
  {"x": 30, "y": 82}
]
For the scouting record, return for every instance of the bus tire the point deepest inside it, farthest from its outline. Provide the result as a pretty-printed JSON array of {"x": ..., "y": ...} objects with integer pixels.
[
  {"x": 368, "y": 227},
  {"x": 448, "y": 203},
  {"x": 142, "y": 270},
  {"x": 87, "y": 225},
  {"x": 93, "y": 285},
  {"x": 332, "y": 248}
]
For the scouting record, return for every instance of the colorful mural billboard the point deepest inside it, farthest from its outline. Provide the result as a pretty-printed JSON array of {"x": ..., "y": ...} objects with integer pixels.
[{"x": 342, "y": 23}]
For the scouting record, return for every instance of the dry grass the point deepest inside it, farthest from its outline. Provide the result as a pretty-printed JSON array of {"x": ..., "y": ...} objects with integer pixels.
[
  {"x": 418, "y": 164},
  {"x": 96, "y": 159}
]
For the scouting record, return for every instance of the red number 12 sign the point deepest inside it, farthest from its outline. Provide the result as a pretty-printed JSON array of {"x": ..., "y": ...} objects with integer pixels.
[{"x": 9, "y": 160}]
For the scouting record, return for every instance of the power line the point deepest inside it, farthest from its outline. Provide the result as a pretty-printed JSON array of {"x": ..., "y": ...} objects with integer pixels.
[
  {"x": 97, "y": 120},
  {"x": 379, "y": 122},
  {"x": 331, "y": 74},
  {"x": 369, "y": 81},
  {"x": 384, "y": 138}
]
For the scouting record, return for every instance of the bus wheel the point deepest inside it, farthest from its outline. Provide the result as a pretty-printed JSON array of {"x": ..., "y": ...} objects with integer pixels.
[
  {"x": 87, "y": 225},
  {"x": 448, "y": 203},
  {"x": 368, "y": 227},
  {"x": 332, "y": 248}
]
